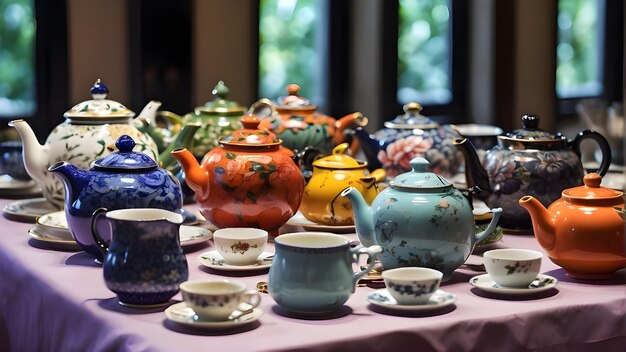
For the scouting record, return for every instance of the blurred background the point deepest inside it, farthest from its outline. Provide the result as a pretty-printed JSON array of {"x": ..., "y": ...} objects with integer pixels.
[{"x": 481, "y": 61}]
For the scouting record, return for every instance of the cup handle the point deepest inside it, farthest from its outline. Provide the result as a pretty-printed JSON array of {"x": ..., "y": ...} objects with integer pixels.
[
  {"x": 252, "y": 298},
  {"x": 371, "y": 252},
  {"x": 100, "y": 243}
]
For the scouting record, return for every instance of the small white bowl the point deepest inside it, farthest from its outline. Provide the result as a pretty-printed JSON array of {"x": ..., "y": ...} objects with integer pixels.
[
  {"x": 512, "y": 267},
  {"x": 412, "y": 285},
  {"x": 240, "y": 245}
]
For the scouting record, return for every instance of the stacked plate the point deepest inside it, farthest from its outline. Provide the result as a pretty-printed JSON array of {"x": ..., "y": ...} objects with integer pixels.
[
  {"x": 14, "y": 188},
  {"x": 51, "y": 229}
]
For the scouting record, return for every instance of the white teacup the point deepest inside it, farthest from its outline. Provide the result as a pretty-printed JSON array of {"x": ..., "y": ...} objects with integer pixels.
[
  {"x": 240, "y": 245},
  {"x": 218, "y": 300},
  {"x": 412, "y": 285},
  {"x": 512, "y": 267}
]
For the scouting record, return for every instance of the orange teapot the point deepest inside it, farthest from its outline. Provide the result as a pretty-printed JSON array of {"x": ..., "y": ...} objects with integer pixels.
[
  {"x": 581, "y": 232},
  {"x": 249, "y": 180}
]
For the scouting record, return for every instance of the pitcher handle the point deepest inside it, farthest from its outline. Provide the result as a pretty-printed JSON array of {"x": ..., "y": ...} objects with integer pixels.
[
  {"x": 103, "y": 247},
  {"x": 371, "y": 252},
  {"x": 604, "y": 147}
]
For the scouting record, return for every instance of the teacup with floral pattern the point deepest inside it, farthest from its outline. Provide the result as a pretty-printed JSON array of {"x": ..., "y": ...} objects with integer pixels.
[
  {"x": 512, "y": 267},
  {"x": 412, "y": 285},
  {"x": 218, "y": 300},
  {"x": 240, "y": 245}
]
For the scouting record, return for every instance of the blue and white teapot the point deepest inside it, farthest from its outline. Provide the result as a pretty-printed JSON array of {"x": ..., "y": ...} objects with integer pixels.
[
  {"x": 120, "y": 180},
  {"x": 420, "y": 220}
]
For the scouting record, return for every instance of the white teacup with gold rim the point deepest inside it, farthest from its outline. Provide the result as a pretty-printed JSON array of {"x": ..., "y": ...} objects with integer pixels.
[
  {"x": 240, "y": 245},
  {"x": 218, "y": 300}
]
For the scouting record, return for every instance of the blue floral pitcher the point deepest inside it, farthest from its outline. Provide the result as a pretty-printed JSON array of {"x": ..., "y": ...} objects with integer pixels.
[{"x": 144, "y": 263}]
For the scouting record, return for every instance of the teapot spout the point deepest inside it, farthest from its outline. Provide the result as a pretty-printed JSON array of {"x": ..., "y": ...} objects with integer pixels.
[
  {"x": 73, "y": 178},
  {"x": 475, "y": 174},
  {"x": 543, "y": 222},
  {"x": 184, "y": 139},
  {"x": 369, "y": 145},
  {"x": 34, "y": 154},
  {"x": 195, "y": 176},
  {"x": 362, "y": 216}
]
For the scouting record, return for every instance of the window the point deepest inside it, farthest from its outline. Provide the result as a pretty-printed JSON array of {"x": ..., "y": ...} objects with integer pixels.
[
  {"x": 17, "y": 52},
  {"x": 424, "y": 70},
  {"x": 287, "y": 46},
  {"x": 578, "y": 52}
]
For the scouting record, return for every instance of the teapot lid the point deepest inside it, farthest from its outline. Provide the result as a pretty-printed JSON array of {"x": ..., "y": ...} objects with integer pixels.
[
  {"x": 591, "y": 190},
  {"x": 99, "y": 110},
  {"x": 250, "y": 134},
  {"x": 530, "y": 130},
  {"x": 220, "y": 105},
  {"x": 412, "y": 118},
  {"x": 125, "y": 158},
  {"x": 293, "y": 101},
  {"x": 339, "y": 160},
  {"x": 420, "y": 177}
]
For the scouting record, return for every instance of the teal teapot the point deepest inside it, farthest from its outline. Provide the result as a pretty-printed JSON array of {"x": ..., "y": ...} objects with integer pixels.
[{"x": 420, "y": 220}]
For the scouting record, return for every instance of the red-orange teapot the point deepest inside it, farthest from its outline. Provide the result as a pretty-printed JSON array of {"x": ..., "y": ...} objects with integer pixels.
[{"x": 249, "y": 180}]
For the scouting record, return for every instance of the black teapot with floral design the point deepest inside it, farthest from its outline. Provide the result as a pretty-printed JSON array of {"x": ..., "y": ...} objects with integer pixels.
[{"x": 528, "y": 161}]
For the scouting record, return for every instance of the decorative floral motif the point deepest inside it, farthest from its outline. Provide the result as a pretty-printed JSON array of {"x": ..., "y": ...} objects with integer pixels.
[
  {"x": 415, "y": 289},
  {"x": 396, "y": 157},
  {"x": 242, "y": 247},
  {"x": 519, "y": 267}
]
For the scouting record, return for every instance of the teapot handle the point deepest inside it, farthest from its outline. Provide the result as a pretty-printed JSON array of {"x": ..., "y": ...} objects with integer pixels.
[
  {"x": 103, "y": 247},
  {"x": 604, "y": 147},
  {"x": 371, "y": 252}
]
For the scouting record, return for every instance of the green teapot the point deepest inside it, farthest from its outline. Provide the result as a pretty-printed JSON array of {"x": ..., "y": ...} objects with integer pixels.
[{"x": 217, "y": 118}]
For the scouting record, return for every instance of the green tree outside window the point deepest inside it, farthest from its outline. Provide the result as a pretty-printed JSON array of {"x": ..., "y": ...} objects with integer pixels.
[
  {"x": 578, "y": 53},
  {"x": 17, "y": 50},
  {"x": 424, "y": 54},
  {"x": 287, "y": 46}
]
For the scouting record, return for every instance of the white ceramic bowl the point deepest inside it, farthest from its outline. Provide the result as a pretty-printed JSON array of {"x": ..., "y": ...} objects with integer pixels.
[
  {"x": 412, "y": 285},
  {"x": 512, "y": 267},
  {"x": 240, "y": 245}
]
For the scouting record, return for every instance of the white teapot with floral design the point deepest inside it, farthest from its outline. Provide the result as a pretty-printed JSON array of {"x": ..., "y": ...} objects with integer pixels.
[{"x": 88, "y": 133}]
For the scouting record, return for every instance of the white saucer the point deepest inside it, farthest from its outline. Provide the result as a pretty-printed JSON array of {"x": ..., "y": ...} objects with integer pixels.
[
  {"x": 438, "y": 300},
  {"x": 215, "y": 261},
  {"x": 485, "y": 283},
  {"x": 9, "y": 184},
  {"x": 191, "y": 235},
  {"x": 182, "y": 314},
  {"x": 52, "y": 242},
  {"x": 28, "y": 210},
  {"x": 300, "y": 220},
  {"x": 54, "y": 225}
]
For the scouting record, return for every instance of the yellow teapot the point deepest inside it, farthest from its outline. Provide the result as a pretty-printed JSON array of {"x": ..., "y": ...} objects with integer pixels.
[{"x": 332, "y": 174}]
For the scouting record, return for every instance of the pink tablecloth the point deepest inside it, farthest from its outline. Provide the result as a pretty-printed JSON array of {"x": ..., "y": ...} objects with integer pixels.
[{"x": 57, "y": 301}]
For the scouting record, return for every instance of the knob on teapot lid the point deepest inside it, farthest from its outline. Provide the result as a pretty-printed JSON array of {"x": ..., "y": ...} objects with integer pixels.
[
  {"x": 125, "y": 158},
  {"x": 420, "y": 177},
  {"x": 530, "y": 130},
  {"x": 339, "y": 160},
  {"x": 99, "y": 110},
  {"x": 412, "y": 119},
  {"x": 293, "y": 101},
  {"x": 250, "y": 134},
  {"x": 220, "y": 105},
  {"x": 592, "y": 190}
]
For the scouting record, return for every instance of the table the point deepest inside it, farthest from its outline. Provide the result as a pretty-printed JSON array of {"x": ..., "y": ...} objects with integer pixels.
[{"x": 53, "y": 300}]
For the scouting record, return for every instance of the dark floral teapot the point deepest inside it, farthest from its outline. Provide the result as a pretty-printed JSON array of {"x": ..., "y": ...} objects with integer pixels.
[
  {"x": 408, "y": 136},
  {"x": 528, "y": 161}
]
